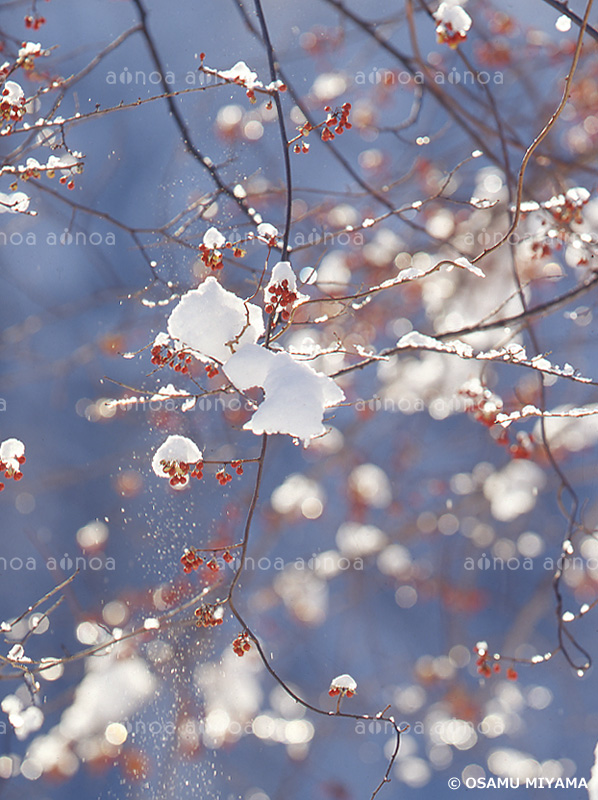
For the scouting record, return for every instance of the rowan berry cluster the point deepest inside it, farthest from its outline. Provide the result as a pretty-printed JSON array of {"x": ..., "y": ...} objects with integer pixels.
[
  {"x": 241, "y": 644},
  {"x": 180, "y": 361},
  {"x": 281, "y": 299},
  {"x": 523, "y": 446},
  {"x": 211, "y": 370},
  {"x": 334, "y": 691},
  {"x": 445, "y": 34},
  {"x": 181, "y": 471},
  {"x": 34, "y": 23},
  {"x": 211, "y": 257},
  {"x": 10, "y": 472},
  {"x": 484, "y": 668},
  {"x": 300, "y": 146},
  {"x": 191, "y": 560},
  {"x": 11, "y": 109},
  {"x": 338, "y": 119},
  {"x": 567, "y": 208},
  {"x": 69, "y": 184},
  {"x": 482, "y": 403},
  {"x": 206, "y": 617},
  {"x": 223, "y": 477}
]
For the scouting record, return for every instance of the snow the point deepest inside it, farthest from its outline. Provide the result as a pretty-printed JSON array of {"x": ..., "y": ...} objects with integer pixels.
[
  {"x": 593, "y": 782},
  {"x": 214, "y": 322},
  {"x": 175, "y": 448},
  {"x": 511, "y": 354},
  {"x": 266, "y": 230},
  {"x": 513, "y": 490},
  {"x": 296, "y": 492},
  {"x": 344, "y": 682},
  {"x": 67, "y": 163},
  {"x": 453, "y": 17},
  {"x": 10, "y": 451},
  {"x": 15, "y": 203},
  {"x": 295, "y": 394},
  {"x": 370, "y": 485},
  {"x": 466, "y": 264},
  {"x": 12, "y": 93},
  {"x": 213, "y": 239},
  {"x": 329, "y": 85},
  {"x": 30, "y": 49},
  {"x": 355, "y": 540},
  {"x": 281, "y": 272},
  {"x": 241, "y": 73}
]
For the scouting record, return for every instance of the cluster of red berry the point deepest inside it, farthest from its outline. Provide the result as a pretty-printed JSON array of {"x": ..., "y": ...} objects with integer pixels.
[
  {"x": 13, "y": 111},
  {"x": 524, "y": 445},
  {"x": 205, "y": 617},
  {"x": 569, "y": 210},
  {"x": 482, "y": 403},
  {"x": 212, "y": 256},
  {"x": 281, "y": 299},
  {"x": 211, "y": 370},
  {"x": 484, "y": 668},
  {"x": 334, "y": 691},
  {"x": 485, "y": 406},
  {"x": 445, "y": 34},
  {"x": 241, "y": 644},
  {"x": 64, "y": 179},
  {"x": 178, "y": 471},
  {"x": 179, "y": 361},
  {"x": 223, "y": 477},
  {"x": 11, "y": 472},
  {"x": 191, "y": 560},
  {"x": 181, "y": 471},
  {"x": 339, "y": 120},
  {"x": 34, "y": 23},
  {"x": 304, "y": 130}
]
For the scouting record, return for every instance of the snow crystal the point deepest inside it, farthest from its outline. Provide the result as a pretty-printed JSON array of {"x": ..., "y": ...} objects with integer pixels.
[
  {"x": 215, "y": 322},
  {"x": 175, "y": 448},
  {"x": 295, "y": 394}
]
